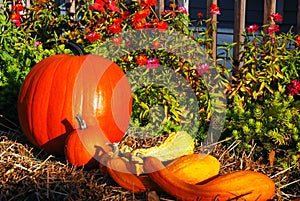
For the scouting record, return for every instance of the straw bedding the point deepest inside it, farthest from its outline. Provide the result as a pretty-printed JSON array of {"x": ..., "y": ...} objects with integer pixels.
[{"x": 27, "y": 173}]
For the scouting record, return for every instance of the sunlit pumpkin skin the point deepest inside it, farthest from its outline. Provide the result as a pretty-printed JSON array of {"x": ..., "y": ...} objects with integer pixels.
[
  {"x": 195, "y": 168},
  {"x": 53, "y": 93},
  {"x": 77, "y": 154},
  {"x": 240, "y": 185},
  {"x": 85, "y": 146}
]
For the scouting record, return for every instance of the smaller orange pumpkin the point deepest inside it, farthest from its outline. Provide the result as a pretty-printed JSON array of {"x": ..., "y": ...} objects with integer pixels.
[{"x": 84, "y": 146}]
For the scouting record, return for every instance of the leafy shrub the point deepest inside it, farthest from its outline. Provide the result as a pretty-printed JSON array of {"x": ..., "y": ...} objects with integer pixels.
[
  {"x": 263, "y": 95},
  {"x": 19, "y": 52}
]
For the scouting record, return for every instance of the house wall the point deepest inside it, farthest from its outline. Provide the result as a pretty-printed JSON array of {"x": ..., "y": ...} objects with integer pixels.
[{"x": 254, "y": 12}]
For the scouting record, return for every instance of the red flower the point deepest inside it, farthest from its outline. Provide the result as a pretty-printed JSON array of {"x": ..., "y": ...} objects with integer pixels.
[
  {"x": 138, "y": 24},
  {"x": 16, "y": 18},
  {"x": 252, "y": 28},
  {"x": 161, "y": 25},
  {"x": 142, "y": 59},
  {"x": 214, "y": 9},
  {"x": 143, "y": 13},
  {"x": 98, "y": 6},
  {"x": 148, "y": 3},
  {"x": 18, "y": 7},
  {"x": 115, "y": 28},
  {"x": 112, "y": 5},
  {"x": 156, "y": 44},
  {"x": 273, "y": 28},
  {"x": 276, "y": 17},
  {"x": 93, "y": 36},
  {"x": 297, "y": 41},
  {"x": 138, "y": 20},
  {"x": 294, "y": 87},
  {"x": 152, "y": 63},
  {"x": 172, "y": 5},
  {"x": 117, "y": 21},
  {"x": 200, "y": 15},
  {"x": 125, "y": 15}
]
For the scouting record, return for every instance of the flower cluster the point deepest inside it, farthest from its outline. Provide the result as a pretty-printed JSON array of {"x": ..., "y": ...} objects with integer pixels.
[
  {"x": 150, "y": 63},
  {"x": 271, "y": 28},
  {"x": 15, "y": 16},
  {"x": 101, "y": 5},
  {"x": 117, "y": 18}
]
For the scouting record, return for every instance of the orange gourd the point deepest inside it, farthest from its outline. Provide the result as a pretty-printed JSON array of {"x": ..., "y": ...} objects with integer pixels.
[
  {"x": 240, "y": 185},
  {"x": 124, "y": 175},
  {"x": 195, "y": 168}
]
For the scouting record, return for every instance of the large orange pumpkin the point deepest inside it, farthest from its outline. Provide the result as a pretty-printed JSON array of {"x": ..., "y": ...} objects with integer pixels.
[{"x": 61, "y": 86}]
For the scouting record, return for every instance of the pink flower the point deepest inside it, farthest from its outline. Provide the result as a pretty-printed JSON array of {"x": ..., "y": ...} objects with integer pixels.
[
  {"x": 17, "y": 22},
  {"x": 148, "y": 25},
  {"x": 37, "y": 43},
  {"x": 214, "y": 9},
  {"x": 273, "y": 28},
  {"x": 202, "y": 69},
  {"x": 252, "y": 28},
  {"x": 182, "y": 9},
  {"x": 276, "y": 17},
  {"x": 93, "y": 36},
  {"x": 152, "y": 63},
  {"x": 294, "y": 87}
]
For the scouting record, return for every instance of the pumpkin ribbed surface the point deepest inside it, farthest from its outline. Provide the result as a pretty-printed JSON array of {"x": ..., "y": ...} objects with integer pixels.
[{"x": 52, "y": 94}]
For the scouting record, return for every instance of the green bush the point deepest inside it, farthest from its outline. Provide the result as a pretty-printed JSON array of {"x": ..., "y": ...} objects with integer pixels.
[
  {"x": 263, "y": 106},
  {"x": 19, "y": 52}
]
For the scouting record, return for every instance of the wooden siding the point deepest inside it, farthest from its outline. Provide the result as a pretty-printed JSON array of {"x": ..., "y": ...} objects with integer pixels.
[{"x": 254, "y": 12}]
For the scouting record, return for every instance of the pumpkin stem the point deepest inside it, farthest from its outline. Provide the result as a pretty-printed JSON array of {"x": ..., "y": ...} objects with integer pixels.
[
  {"x": 82, "y": 123},
  {"x": 75, "y": 48}
]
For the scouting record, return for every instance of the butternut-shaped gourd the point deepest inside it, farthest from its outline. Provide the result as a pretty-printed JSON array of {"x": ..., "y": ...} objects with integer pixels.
[
  {"x": 177, "y": 144},
  {"x": 240, "y": 185},
  {"x": 195, "y": 168}
]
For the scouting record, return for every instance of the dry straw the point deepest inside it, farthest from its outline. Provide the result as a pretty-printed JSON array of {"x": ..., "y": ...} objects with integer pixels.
[{"x": 27, "y": 173}]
